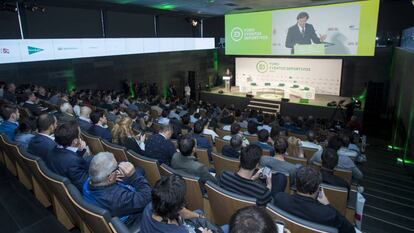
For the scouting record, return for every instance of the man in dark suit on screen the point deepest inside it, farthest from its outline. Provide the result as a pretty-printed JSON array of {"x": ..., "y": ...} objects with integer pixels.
[{"x": 302, "y": 33}]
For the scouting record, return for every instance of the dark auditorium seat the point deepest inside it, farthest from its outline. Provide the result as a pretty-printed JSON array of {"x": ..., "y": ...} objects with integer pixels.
[
  {"x": 150, "y": 166},
  {"x": 118, "y": 151}
]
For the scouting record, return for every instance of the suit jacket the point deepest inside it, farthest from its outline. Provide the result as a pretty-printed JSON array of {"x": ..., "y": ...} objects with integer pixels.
[
  {"x": 203, "y": 142},
  {"x": 33, "y": 108},
  {"x": 9, "y": 129},
  {"x": 230, "y": 152},
  {"x": 190, "y": 165},
  {"x": 329, "y": 178},
  {"x": 159, "y": 148},
  {"x": 64, "y": 118},
  {"x": 131, "y": 144},
  {"x": 68, "y": 164},
  {"x": 310, "y": 209},
  {"x": 265, "y": 146},
  {"x": 40, "y": 146},
  {"x": 9, "y": 96},
  {"x": 103, "y": 133},
  {"x": 294, "y": 36},
  {"x": 84, "y": 125}
]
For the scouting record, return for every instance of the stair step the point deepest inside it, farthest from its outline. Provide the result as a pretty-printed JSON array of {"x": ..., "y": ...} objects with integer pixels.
[
  {"x": 261, "y": 107},
  {"x": 262, "y": 102}
]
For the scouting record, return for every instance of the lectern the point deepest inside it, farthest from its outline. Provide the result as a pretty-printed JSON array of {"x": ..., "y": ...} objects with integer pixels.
[{"x": 227, "y": 82}]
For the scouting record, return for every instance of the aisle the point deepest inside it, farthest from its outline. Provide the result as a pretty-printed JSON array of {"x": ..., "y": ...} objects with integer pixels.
[{"x": 389, "y": 193}]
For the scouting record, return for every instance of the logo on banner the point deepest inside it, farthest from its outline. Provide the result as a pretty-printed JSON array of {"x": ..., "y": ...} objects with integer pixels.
[
  {"x": 262, "y": 67},
  {"x": 32, "y": 50},
  {"x": 236, "y": 34},
  {"x": 4, "y": 51}
]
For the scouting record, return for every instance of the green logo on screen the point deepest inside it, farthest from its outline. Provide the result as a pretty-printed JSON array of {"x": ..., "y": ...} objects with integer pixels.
[
  {"x": 236, "y": 34},
  {"x": 262, "y": 67},
  {"x": 33, "y": 50}
]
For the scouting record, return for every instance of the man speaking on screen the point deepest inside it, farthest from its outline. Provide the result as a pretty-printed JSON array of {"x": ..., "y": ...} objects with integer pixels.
[{"x": 302, "y": 33}]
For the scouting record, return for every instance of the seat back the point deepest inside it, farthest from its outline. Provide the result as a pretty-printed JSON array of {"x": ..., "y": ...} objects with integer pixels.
[
  {"x": 175, "y": 142},
  {"x": 288, "y": 181},
  {"x": 224, "y": 203},
  {"x": 193, "y": 195},
  {"x": 40, "y": 188},
  {"x": 266, "y": 153},
  {"x": 209, "y": 137},
  {"x": 62, "y": 206},
  {"x": 110, "y": 125},
  {"x": 224, "y": 163},
  {"x": 337, "y": 197},
  {"x": 202, "y": 155},
  {"x": 9, "y": 159},
  {"x": 252, "y": 138},
  {"x": 295, "y": 224},
  {"x": 94, "y": 217},
  {"x": 23, "y": 172},
  {"x": 308, "y": 152},
  {"x": 220, "y": 143},
  {"x": 344, "y": 174},
  {"x": 156, "y": 126},
  {"x": 94, "y": 143},
  {"x": 150, "y": 166},
  {"x": 221, "y": 132},
  {"x": 118, "y": 151},
  {"x": 296, "y": 160},
  {"x": 117, "y": 226}
]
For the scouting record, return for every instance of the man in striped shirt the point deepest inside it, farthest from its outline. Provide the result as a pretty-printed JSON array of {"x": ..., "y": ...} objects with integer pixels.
[{"x": 245, "y": 181}]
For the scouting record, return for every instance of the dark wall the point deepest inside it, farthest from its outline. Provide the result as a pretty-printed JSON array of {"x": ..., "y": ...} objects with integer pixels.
[
  {"x": 122, "y": 24},
  {"x": 9, "y": 25}
]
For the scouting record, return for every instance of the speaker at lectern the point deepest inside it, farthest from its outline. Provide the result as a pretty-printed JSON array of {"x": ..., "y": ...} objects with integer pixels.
[{"x": 226, "y": 80}]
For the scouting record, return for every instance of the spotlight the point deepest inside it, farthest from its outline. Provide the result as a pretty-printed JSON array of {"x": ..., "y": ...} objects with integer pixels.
[
  {"x": 34, "y": 8},
  {"x": 193, "y": 21}
]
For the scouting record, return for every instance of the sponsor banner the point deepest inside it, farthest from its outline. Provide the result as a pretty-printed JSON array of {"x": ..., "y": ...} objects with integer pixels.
[{"x": 12, "y": 51}]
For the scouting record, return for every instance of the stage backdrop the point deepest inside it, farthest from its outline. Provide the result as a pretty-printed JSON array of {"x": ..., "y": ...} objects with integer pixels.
[{"x": 321, "y": 75}]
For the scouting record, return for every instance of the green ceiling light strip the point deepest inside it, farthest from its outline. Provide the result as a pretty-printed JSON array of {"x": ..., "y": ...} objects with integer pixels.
[
  {"x": 405, "y": 161},
  {"x": 131, "y": 89},
  {"x": 391, "y": 147},
  {"x": 165, "y": 6},
  {"x": 70, "y": 79},
  {"x": 215, "y": 60}
]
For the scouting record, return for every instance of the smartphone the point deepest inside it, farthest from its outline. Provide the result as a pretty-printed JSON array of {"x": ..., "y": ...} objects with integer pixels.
[
  {"x": 280, "y": 226},
  {"x": 266, "y": 172}
]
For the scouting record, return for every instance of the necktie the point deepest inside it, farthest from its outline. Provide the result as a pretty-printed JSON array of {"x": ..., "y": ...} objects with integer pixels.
[{"x": 303, "y": 31}]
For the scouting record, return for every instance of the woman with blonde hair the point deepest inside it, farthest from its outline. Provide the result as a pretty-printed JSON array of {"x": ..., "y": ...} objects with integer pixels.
[
  {"x": 294, "y": 147},
  {"x": 123, "y": 135}
]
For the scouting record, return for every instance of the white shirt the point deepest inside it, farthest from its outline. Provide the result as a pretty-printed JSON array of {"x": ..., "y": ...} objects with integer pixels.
[
  {"x": 210, "y": 132},
  {"x": 163, "y": 121},
  {"x": 48, "y": 136},
  {"x": 302, "y": 29},
  {"x": 85, "y": 119},
  {"x": 187, "y": 90}
]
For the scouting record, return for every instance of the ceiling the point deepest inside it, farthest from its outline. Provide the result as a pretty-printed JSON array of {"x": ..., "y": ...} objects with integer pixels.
[{"x": 212, "y": 7}]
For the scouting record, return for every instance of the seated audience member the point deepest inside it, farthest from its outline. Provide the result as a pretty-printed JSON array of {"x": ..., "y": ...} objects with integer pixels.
[
  {"x": 43, "y": 141},
  {"x": 24, "y": 133},
  {"x": 135, "y": 120},
  {"x": 166, "y": 212},
  {"x": 159, "y": 146},
  {"x": 235, "y": 130},
  {"x": 278, "y": 163},
  {"x": 84, "y": 119},
  {"x": 66, "y": 113},
  {"x": 117, "y": 188},
  {"x": 245, "y": 181},
  {"x": 202, "y": 142},
  {"x": 174, "y": 113},
  {"x": 186, "y": 161},
  {"x": 311, "y": 142},
  {"x": 31, "y": 104},
  {"x": 10, "y": 124},
  {"x": 251, "y": 129},
  {"x": 233, "y": 150},
  {"x": 66, "y": 158},
  {"x": 310, "y": 203},
  {"x": 344, "y": 162},
  {"x": 185, "y": 123},
  {"x": 100, "y": 127},
  {"x": 252, "y": 219},
  {"x": 122, "y": 134},
  {"x": 263, "y": 137},
  {"x": 113, "y": 113},
  {"x": 9, "y": 94},
  {"x": 163, "y": 120},
  {"x": 195, "y": 117},
  {"x": 294, "y": 147},
  {"x": 329, "y": 162},
  {"x": 344, "y": 151}
]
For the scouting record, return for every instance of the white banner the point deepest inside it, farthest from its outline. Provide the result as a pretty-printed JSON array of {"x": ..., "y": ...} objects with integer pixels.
[
  {"x": 12, "y": 51},
  {"x": 320, "y": 76}
]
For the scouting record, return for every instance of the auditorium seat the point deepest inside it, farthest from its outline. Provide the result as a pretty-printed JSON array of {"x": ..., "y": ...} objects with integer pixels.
[
  {"x": 221, "y": 133},
  {"x": 94, "y": 143},
  {"x": 220, "y": 143},
  {"x": 40, "y": 188},
  {"x": 150, "y": 166},
  {"x": 175, "y": 142},
  {"x": 95, "y": 218},
  {"x": 295, "y": 224},
  {"x": 225, "y": 203},
  {"x": 119, "y": 227},
  {"x": 23, "y": 172},
  {"x": 118, "y": 151},
  {"x": 110, "y": 125},
  {"x": 9, "y": 160},
  {"x": 224, "y": 163},
  {"x": 337, "y": 197},
  {"x": 296, "y": 160},
  {"x": 156, "y": 126},
  {"x": 194, "y": 195},
  {"x": 62, "y": 206},
  {"x": 343, "y": 173},
  {"x": 266, "y": 153},
  {"x": 252, "y": 138},
  {"x": 209, "y": 137},
  {"x": 202, "y": 156},
  {"x": 308, "y": 153}
]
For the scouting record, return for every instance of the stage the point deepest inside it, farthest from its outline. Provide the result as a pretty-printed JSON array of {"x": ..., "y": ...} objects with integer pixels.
[{"x": 270, "y": 102}]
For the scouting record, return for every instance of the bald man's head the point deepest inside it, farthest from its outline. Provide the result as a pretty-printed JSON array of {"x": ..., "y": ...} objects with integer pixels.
[{"x": 85, "y": 111}]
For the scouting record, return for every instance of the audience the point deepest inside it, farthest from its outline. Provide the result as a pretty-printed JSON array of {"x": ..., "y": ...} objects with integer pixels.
[
  {"x": 164, "y": 120},
  {"x": 310, "y": 203},
  {"x": 24, "y": 133},
  {"x": 66, "y": 158},
  {"x": 10, "y": 124},
  {"x": 100, "y": 127},
  {"x": 31, "y": 104},
  {"x": 329, "y": 162},
  {"x": 117, "y": 188},
  {"x": 233, "y": 150},
  {"x": 263, "y": 137},
  {"x": 84, "y": 119},
  {"x": 9, "y": 93},
  {"x": 186, "y": 162},
  {"x": 252, "y": 219},
  {"x": 294, "y": 147},
  {"x": 123, "y": 134},
  {"x": 235, "y": 130},
  {"x": 66, "y": 113},
  {"x": 43, "y": 141},
  {"x": 251, "y": 129},
  {"x": 159, "y": 146},
  {"x": 202, "y": 142}
]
